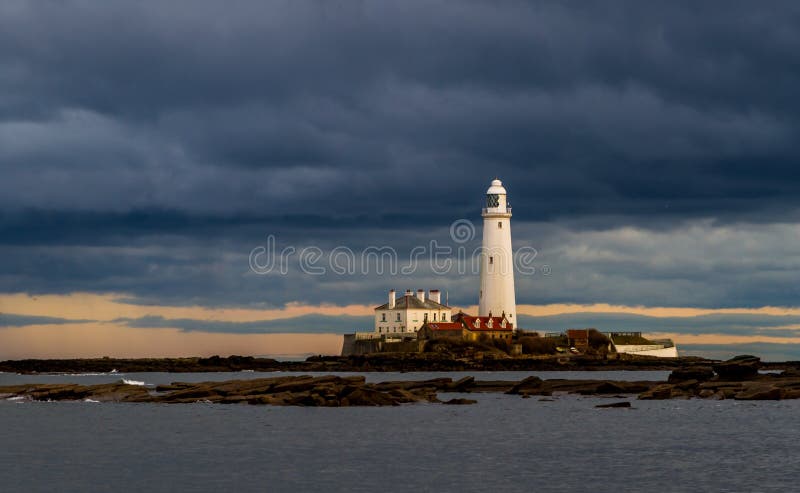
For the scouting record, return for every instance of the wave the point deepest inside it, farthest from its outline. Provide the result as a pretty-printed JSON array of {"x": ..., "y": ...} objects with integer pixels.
[
  {"x": 89, "y": 400},
  {"x": 132, "y": 382},
  {"x": 17, "y": 398}
]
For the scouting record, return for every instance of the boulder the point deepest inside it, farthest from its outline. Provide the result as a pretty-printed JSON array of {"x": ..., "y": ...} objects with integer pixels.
[
  {"x": 699, "y": 373},
  {"x": 739, "y": 368}
]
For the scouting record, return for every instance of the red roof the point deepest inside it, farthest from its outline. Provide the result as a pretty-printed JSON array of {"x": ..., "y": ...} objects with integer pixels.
[
  {"x": 445, "y": 326},
  {"x": 482, "y": 323}
]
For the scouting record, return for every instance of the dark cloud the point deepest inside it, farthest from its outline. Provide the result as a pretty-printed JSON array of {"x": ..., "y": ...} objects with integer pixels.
[
  {"x": 766, "y": 351},
  {"x": 14, "y": 320},
  {"x": 307, "y": 324},
  {"x": 168, "y": 140},
  {"x": 730, "y": 324}
]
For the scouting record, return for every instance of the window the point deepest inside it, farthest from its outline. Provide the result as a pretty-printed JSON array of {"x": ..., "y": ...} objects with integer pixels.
[
  {"x": 398, "y": 316},
  {"x": 491, "y": 260},
  {"x": 383, "y": 317},
  {"x": 499, "y": 224},
  {"x": 434, "y": 317}
]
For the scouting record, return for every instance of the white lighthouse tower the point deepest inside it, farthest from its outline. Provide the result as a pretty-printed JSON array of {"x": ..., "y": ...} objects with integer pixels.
[{"x": 497, "y": 261}]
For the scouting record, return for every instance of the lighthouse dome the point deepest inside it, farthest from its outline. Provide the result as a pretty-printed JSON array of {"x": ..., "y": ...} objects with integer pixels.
[{"x": 496, "y": 188}]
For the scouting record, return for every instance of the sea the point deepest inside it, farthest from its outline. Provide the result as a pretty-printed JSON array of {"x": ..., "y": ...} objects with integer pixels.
[{"x": 502, "y": 443}]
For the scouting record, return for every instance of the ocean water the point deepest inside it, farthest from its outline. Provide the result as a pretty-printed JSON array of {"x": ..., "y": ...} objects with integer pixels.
[{"x": 503, "y": 443}]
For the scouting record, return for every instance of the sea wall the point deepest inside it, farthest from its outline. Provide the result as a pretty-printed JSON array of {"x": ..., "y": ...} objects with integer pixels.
[{"x": 657, "y": 350}]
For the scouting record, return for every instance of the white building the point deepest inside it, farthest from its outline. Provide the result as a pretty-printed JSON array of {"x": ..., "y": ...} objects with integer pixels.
[
  {"x": 407, "y": 313},
  {"x": 497, "y": 297}
]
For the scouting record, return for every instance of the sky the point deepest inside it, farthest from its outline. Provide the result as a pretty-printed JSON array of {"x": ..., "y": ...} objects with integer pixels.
[{"x": 153, "y": 154}]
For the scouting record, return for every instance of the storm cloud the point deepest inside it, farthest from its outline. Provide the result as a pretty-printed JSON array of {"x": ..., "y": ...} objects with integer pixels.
[{"x": 649, "y": 150}]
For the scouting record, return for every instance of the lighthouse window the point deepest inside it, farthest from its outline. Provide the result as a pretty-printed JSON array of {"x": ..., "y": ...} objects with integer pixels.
[
  {"x": 499, "y": 224},
  {"x": 491, "y": 260},
  {"x": 383, "y": 317}
]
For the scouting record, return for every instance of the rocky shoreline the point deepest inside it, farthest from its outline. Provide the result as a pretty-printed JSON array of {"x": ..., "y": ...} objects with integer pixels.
[{"x": 738, "y": 378}]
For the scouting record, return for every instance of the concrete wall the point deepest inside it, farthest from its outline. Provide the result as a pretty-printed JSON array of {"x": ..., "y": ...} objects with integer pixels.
[
  {"x": 356, "y": 346},
  {"x": 657, "y": 350}
]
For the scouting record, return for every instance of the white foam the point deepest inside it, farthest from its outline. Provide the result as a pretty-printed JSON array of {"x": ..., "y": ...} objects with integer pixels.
[
  {"x": 132, "y": 382},
  {"x": 114, "y": 371},
  {"x": 17, "y": 398},
  {"x": 89, "y": 400}
]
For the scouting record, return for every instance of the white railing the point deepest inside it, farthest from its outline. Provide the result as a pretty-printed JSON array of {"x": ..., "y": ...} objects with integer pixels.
[{"x": 495, "y": 210}]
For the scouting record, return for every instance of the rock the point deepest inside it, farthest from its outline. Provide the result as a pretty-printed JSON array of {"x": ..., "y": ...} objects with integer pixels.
[
  {"x": 759, "y": 393},
  {"x": 526, "y": 384},
  {"x": 190, "y": 395},
  {"x": 706, "y": 393},
  {"x": 614, "y": 404},
  {"x": 738, "y": 368},
  {"x": 687, "y": 385},
  {"x": 611, "y": 388},
  {"x": 659, "y": 392},
  {"x": 462, "y": 385},
  {"x": 368, "y": 397},
  {"x": 791, "y": 394},
  {"x": 699, "y": 373},
  {"x": 459, "y": 401}
]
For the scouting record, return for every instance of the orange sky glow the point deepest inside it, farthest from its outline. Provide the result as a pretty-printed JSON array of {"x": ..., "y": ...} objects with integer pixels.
[{"x": 104, "y": 337}]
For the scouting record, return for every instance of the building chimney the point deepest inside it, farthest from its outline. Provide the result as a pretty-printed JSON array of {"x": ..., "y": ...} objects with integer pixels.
[
  {"x": 421, "y": 294},
  {"x": 391, "y": 298},
  {"x": 435, "y": 295},
  {"x": 408, "y": 292}
]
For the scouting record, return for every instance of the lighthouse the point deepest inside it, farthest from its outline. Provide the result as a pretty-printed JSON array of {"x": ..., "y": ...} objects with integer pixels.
[{"x": 496, "y": 258}]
